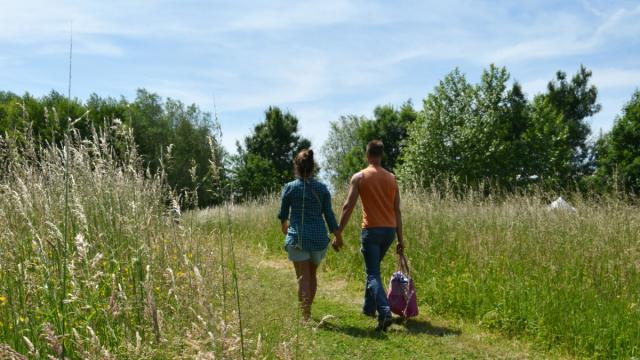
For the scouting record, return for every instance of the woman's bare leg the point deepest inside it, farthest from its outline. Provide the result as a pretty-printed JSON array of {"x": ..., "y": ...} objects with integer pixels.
[
  {"x": 313, "y": 283},
  {"x": 303, "y": 273}
]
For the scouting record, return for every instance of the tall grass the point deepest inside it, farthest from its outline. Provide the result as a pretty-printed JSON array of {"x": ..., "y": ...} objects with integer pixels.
[
  {"x": 568, "y": 281},
  {"x": 133, "y": 284},
  {"x": 123, "y": 280}
]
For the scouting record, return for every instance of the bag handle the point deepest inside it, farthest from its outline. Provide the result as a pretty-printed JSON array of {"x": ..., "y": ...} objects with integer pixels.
[{"x": 403, "y": 265}]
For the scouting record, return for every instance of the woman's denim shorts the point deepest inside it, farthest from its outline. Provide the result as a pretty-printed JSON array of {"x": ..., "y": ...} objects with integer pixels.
[{"x": 296, "y": 254}]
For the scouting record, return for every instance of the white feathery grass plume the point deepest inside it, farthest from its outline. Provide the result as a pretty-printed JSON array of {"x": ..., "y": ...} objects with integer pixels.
[
  {"x": 324, "y": 320},
  {"x": 32, "y": 349},
  {"x": 198, "y": 276},
  {"x": 258, "y": 352},
  {"x": 96, "y": 260},
  {"x": 82, "y": 246},
  {"x": 74, "y": 122},
  {"x": 138, "y": 342},
  {"x": 78, "y": 211},
  {"x": 80, "y": 344},
  {"x": 54, "y": 231},
  {"x": 114, "y": 309},
  {"x": 172, "y": 278}
]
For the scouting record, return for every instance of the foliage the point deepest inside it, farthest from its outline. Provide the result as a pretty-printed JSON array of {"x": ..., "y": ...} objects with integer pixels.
[
  {"x": 489, "y": 132},
  {"x": 618, "y": 160},
  {"x": 344, "y": 149},
  {"x": 576, "y": 100},
  {"x": 265, "y": 162},
  {"x": 469, "y": 133},
  {"x": 195, "y": 162}
]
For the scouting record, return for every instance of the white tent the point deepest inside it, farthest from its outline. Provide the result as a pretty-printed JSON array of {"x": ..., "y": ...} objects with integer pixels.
[{"x": 561, "y": 204}]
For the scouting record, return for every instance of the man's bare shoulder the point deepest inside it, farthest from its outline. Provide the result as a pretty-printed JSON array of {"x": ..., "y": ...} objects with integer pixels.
[{"x": 355, "y": 179}]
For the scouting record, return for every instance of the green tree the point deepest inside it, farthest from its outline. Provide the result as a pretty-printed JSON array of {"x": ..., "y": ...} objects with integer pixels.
[
  {"x": 198, "y": 161},
  {"x": 468, "y": 133},
  {"x": 195, "y": 163},
  {"x": 264, "y": 163},
  {"x": 151, "y": 128},
  {"x": 391, "y": 126},
  {"x": 618, "y": 152},
  {"x": 438, "y": 140},
  {"x": 344, "y": 149},
  {"x": 576, "y": 100},
  {"x": 549, "y": 151}
]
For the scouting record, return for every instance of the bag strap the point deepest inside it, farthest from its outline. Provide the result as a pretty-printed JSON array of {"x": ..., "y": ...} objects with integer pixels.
[{"x": 403, "y": 265}]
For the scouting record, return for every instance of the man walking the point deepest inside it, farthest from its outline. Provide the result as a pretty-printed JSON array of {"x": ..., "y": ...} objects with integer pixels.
[{"x": 382, "y": 221}]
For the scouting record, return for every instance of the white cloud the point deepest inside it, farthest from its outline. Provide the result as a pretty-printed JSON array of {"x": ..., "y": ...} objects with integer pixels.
[
  {"x": 571, "y": 37},
  {"x": 608, "y": 78},
  {"x": 536, "y": 86},
  {"x": 295, "y": 14},
  {"x": 319, "y": 59}
]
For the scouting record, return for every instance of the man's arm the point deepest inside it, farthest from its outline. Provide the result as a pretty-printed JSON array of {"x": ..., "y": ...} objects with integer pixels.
[
  {"x": 347, "y": 209},
  {"x": 400, "y": 246},
  {"x": 350, "y": 202}
]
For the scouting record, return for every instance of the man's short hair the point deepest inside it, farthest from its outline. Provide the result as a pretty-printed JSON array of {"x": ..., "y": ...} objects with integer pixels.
[{"x": 375, "y": 148}]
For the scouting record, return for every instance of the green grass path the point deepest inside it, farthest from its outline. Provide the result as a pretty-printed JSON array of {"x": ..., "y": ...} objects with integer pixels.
[{"x": 268, "y": 294}]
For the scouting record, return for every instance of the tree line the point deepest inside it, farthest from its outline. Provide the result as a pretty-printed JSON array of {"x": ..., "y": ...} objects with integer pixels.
[
  {"x": 490, "y": 135},
  {"x": 464, "y": 134}
]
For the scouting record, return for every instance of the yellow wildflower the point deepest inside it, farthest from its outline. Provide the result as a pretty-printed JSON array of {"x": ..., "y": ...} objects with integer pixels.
[{"x": 3, "y": 300}]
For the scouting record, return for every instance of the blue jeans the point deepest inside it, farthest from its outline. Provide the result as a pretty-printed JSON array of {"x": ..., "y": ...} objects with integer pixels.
[{"x": 375, "y": 243}]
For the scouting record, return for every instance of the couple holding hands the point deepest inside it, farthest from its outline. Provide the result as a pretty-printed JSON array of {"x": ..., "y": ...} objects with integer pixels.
[{"x": 306, "y": 207}]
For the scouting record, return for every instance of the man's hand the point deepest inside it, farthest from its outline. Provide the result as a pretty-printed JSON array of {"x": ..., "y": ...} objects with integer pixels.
[
  {"x": 400, "y": 248},
  {"x": 337, "y": 242},
  {"x": 285, "y": 227}
]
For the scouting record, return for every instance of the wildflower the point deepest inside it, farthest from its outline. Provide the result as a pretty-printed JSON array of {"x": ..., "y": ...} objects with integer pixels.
[{"x": 3, "y": 300}]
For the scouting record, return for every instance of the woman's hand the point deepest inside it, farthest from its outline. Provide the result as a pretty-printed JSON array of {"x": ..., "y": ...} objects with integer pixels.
[
  {"x": 285, "y": 227},
  {"x": 337, "y": 243}
]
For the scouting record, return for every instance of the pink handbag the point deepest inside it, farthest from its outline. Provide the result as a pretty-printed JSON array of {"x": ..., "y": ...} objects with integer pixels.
[{"x": 402, "y": 291}]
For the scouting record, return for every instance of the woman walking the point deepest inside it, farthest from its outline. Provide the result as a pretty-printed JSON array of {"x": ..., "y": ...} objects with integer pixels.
[{"x": 305, "y": 202}]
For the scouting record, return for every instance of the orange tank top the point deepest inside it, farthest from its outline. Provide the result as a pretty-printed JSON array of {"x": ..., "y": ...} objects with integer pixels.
[{"x": 377, "y": 189}]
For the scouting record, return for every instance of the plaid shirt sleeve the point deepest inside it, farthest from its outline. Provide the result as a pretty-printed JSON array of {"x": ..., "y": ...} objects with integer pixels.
[
  {"x": 327, "y": 210},
  {"x": 285, "y": 204}
]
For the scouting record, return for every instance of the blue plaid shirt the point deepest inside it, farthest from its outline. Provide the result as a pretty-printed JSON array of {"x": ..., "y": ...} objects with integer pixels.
[{"x": 307, "y": 202}]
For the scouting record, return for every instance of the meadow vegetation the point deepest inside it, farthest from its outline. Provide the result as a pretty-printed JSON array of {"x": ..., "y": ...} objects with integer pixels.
[
  {"x": 95, "y": 263},
  {"x": 92, "y": 265},
  {"x": 565, "y": 281}
]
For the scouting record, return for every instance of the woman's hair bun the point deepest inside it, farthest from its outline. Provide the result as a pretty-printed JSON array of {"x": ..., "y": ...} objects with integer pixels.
[{"x": 303, "y": 163}]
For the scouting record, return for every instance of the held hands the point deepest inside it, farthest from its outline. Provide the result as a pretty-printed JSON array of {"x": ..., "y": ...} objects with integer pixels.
[{"x": 337, "y": 242}]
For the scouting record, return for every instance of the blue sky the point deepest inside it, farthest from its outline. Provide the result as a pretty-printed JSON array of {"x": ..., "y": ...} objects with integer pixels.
[{"x": 318, "y": 59}]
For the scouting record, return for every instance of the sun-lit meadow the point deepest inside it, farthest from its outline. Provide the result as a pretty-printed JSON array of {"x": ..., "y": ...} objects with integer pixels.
[
  {"x": 92, "y": 262},
  {"x": 564, "y": 280}
]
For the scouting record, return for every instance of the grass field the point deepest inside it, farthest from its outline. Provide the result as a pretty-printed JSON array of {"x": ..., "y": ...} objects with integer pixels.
[{"x": 91, "y": 266}]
